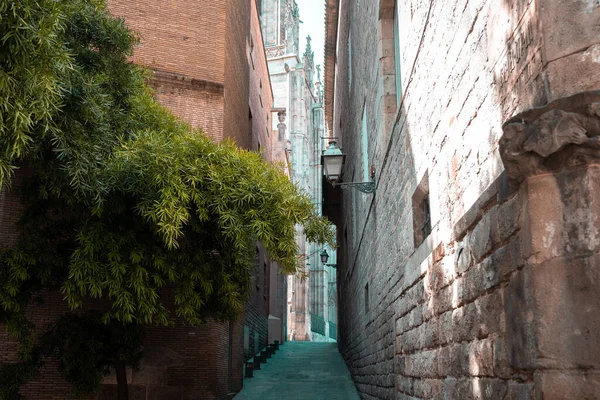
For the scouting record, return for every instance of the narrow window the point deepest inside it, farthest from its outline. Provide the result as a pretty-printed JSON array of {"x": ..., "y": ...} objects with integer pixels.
[
  {"x": 365, "y": 145},
  {"x": 350, "y": 59},
  {"x": 367, "y": 298},
  {"x": 251, "y": 124},
  {"x": 252, "y": 51},
  {"x": 421, "y": 211},
  {"x": 397, "y": 53},
  {"x": 354, "y": 215},
  {"x": 346, "y": 240}
]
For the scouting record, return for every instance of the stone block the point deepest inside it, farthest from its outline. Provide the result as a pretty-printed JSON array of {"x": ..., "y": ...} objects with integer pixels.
[
  {"x": 422, "y": 364},
  {"x": 567, "y": 312},
  {"x": 411, "y": 340},
  {"x": 481, "y": 358},
  {"x": 553, "y": 314},
  {"x": 562, "y": 36},
  {"x": 561, "y": 217},
  {"x": 459, "y": 354},
  {"x": 575, "y": 73},
  {"x": 427, "y": 388},
  {"x": 520, "y": 328},
  {"x": 430, "y": 334},
  {"x": 463, "y": 322},
  {"x": 519, "y": 391},
  {"x": 558, "y": 385},
  {"x": 463, "y": 256},
  {"x": 501, "y": 360},
  {"x": 489, "y": 389},
  {"x": 444, "y": 362},
  {"x": 503, "y": 262},
  {"x": 443, "y": 300},
  {"x": 509, "y": 213},
  {"x": 404, "y": 384},
  {"x": 415, "y": 317},
  {"x": 469, "y": 287},
  {"x": 449, "y": 388},
  {"x": 485, "y": 235},
  {"x": 445, "y": 328},
  {"x": 464, "y": 389},
  {"x": 490, "y": 315}
]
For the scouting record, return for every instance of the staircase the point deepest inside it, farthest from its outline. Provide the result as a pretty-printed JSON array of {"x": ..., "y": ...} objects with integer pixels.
[{"x": 301, "y": 371}]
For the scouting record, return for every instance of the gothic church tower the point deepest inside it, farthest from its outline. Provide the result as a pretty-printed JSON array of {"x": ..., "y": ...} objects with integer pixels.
[{"x": 311, "y": 293}]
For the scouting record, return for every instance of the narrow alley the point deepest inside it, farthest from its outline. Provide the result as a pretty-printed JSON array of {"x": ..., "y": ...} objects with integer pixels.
[{"x": 301, "y": 370}]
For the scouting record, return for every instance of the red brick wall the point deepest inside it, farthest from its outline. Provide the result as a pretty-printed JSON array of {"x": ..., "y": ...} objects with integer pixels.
[
  {"x": 186, "y": 37},
  {"x": 261, "y": 94},
  {"x": 202, "y": 72},
  {"x": 199, "y": 103},
  {"x": 236, "y": 124},
  {"x": 183, "y": 43},
  {"x": 10, "y": 207}
]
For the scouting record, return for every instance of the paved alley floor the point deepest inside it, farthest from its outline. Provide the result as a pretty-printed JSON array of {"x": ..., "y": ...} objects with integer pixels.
[{"x": 301, "y": 371}]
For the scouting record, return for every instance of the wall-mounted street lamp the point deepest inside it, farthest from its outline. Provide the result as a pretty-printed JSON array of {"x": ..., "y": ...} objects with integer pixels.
[
  {"x": 333, "y": 161},
  {"x": 325, "y": 258}
]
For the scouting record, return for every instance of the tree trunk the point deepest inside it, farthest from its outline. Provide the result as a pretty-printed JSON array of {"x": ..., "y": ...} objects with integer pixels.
[{"x": 123, "y": 390}]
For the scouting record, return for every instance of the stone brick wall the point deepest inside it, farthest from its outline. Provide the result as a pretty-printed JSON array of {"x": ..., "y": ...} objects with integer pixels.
[{"x": 468, "y": 313}]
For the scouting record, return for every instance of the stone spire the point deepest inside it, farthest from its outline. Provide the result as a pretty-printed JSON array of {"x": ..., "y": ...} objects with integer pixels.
[
  {"x": 308, "y": 58},
  {"x": 309, "y": 55}
]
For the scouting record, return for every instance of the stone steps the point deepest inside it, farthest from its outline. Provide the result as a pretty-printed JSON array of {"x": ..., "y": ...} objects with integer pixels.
[{"x": 301, "y": 371}]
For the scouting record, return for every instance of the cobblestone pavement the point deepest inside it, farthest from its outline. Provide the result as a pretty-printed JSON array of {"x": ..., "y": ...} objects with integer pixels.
[{"x": 301, "y": 371}]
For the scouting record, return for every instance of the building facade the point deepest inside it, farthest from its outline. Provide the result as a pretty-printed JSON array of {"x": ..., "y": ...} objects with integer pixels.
[
  {"x": 472, "y": 272},
  {"x": 297, "y": 90},
  {"x": 208, "y": 66}
]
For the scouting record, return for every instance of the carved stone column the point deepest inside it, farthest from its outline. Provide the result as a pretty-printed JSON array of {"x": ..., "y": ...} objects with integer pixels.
[{"x": 552, "y": 157}]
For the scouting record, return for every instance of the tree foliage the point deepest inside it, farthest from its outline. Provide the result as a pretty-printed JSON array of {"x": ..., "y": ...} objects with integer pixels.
[{"x": 123, "y": 201}]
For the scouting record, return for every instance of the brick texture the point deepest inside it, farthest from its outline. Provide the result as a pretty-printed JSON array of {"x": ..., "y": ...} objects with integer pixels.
[{"x": 209, "y": 68}]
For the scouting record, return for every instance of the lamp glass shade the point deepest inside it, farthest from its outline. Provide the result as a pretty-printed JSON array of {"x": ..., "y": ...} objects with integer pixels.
[
  {"x": 333, "y": 162},
  {"x": 333, "y": 167},
  {"x": 324, "y": 257}
]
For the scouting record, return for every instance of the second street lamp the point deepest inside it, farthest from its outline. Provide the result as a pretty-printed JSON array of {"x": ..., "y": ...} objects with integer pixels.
[{"x": 325, "y": 258}]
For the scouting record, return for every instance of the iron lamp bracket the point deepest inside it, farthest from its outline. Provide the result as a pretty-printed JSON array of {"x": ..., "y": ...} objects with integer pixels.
[{"x": 365, "y": 187}]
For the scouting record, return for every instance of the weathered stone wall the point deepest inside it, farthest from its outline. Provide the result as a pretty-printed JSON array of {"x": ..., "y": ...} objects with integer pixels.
[{"x": 470, "y": 312}]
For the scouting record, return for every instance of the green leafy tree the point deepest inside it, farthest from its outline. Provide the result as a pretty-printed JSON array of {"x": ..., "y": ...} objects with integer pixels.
[{"x": 123, "y": 201}]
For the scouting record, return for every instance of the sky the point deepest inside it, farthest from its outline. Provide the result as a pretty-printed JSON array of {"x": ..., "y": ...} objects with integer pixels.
[{"x": 312, "y": 15}]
